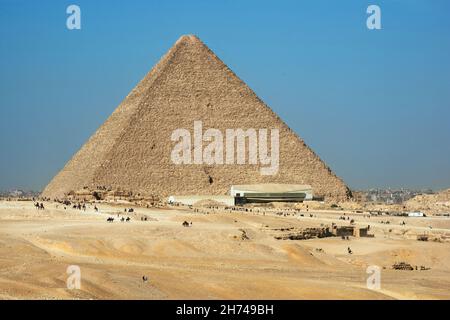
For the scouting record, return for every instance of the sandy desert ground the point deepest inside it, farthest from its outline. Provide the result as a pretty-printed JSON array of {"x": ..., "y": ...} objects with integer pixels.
[{"x": 210, "y": 259}]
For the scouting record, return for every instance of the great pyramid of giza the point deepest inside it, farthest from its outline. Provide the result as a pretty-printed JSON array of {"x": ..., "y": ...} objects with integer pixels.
[{"x": 132, "y": 149}]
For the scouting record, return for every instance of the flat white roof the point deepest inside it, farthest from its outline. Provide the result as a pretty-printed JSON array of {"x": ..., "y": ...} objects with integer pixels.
[{"x": 272, "y": 187}]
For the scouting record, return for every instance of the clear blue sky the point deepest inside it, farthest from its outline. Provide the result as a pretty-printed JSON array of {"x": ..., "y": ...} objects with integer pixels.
[{"x": 375, "y": 105}]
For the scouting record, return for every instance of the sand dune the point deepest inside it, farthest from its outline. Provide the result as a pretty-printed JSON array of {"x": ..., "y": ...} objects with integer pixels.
[{"x": 209, "y": 260}]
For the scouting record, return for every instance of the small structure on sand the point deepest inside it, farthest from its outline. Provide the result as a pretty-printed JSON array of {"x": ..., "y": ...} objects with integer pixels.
[
  {"x": 362, "y": 233},
  {"x": 347, "y": 231},
  {"x": 344, "y": 231}
]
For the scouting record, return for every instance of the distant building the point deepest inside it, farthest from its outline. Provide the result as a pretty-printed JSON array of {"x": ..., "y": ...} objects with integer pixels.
[
  {"x": 390, "y": 196},
  {"x": 416, "y": 214},
  {"x": 346, "y": 231},
  {"x": 16, "y": 193},
  {"x": 271, "y": 192}
]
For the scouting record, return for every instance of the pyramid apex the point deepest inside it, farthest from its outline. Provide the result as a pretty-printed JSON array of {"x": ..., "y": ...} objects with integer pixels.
[{"x": 190, "y": 38}]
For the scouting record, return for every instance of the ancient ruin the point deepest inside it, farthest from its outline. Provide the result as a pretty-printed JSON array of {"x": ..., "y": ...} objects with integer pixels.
[{"x": 132, "y": 149}]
